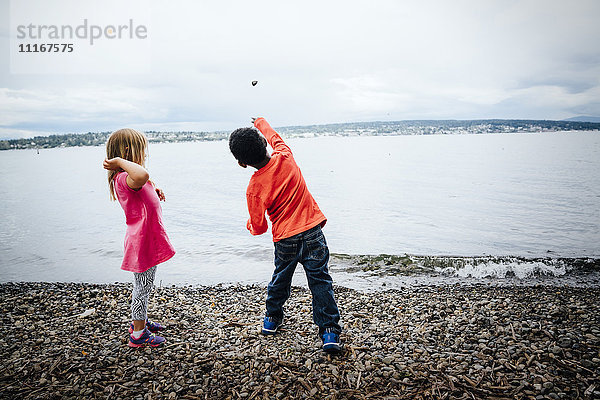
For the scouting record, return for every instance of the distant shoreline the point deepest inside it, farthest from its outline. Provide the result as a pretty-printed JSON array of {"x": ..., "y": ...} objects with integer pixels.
[{"x": 376, "y": 128}]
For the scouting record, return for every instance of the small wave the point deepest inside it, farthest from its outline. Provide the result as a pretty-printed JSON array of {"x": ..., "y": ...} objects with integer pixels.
[
  {"x": 464, "y": 267},
  {"x": 521, "y": 270}
]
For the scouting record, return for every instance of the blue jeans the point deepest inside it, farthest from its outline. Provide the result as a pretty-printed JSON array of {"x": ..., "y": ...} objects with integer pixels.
[{"x": 310, "y": 249}]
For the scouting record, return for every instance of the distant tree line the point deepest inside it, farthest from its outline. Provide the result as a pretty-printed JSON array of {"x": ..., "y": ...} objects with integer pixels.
[
  {"x": 99, "y": 139},
  {"x": 46, "y": 142},
  {"x": 408, "y": 127}
]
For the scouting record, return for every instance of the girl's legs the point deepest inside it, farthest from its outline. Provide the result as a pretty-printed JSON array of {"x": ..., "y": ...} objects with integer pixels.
[{"x": 142, "y": 286}]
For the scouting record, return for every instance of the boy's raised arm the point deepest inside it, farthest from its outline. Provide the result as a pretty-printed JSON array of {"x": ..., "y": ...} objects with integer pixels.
[{"x": 272, "y": 137}]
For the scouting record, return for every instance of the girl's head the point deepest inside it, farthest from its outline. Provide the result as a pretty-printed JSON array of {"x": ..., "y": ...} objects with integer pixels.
[{"x": 128, "y": 144}]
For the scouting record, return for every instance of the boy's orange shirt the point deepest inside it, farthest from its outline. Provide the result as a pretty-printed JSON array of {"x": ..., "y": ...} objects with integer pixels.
[{"x": 279, "y": 189}]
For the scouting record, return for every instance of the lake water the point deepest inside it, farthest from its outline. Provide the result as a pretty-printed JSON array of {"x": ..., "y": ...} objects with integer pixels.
[{"x": 496, "y": 194}]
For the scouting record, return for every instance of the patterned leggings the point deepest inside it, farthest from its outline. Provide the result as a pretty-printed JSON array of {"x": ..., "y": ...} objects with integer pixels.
[{"x": 142, "y": 286}]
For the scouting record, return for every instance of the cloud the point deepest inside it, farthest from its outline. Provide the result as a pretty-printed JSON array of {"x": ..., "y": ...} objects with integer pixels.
[
  {"x": 70, "y": 109},
  {"x": 556, "y": 97},
  {"x": 320, "y": 62}
]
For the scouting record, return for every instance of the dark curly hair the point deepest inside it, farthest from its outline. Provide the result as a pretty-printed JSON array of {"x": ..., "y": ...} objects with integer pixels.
[{"x": 247, "y": 146}]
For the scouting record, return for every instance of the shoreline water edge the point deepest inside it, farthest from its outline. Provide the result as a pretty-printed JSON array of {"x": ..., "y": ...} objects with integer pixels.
[
  {"x": 454, "y": 341},
  {"x": 373, "y": 272},
  {"x": 385, "y": 271}
]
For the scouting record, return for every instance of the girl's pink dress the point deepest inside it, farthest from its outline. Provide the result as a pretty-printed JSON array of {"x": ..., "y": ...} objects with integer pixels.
[{"x": 146, "y": 242}]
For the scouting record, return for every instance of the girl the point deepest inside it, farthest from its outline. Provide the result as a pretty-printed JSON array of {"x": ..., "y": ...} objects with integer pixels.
[{"x": 146, "y": 242}]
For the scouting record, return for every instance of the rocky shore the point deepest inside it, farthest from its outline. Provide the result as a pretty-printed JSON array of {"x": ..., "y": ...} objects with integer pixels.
[{"x": 452, "y": 342}]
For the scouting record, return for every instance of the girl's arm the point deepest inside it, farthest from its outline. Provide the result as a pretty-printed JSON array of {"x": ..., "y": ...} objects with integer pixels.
[
  {"x": 159, "y": 192},
  {"x": 137, "y": 176}
]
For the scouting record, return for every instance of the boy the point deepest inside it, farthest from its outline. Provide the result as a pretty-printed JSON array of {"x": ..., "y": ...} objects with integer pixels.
[{"x": 278, "y": 188}]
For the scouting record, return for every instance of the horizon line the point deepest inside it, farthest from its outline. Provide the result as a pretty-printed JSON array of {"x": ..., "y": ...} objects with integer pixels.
[{"x": 578, "y": 119}]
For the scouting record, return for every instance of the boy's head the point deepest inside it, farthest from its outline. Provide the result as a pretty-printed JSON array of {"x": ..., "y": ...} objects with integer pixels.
[{"x": 248, "y": 146}]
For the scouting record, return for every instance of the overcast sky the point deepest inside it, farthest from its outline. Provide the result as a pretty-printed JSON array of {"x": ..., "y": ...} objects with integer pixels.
[{"x": 316, "y": 62}]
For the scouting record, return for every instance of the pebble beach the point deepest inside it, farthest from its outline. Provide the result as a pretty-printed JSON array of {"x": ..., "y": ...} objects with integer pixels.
[{"x": 68, "y": 340}]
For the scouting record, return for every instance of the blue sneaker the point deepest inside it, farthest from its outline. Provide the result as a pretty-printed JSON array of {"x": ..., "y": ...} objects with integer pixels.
[
  {"x": 270, "y": 326},
  {"x": 331, "y": 341}
]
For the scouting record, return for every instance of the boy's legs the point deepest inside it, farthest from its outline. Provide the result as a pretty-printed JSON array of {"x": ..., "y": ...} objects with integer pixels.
[
  {"x": 315, "y": 258},
  {"x": 278, "y": 291}
]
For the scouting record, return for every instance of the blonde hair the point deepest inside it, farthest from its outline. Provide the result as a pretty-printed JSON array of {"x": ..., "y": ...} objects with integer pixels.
[{"x": 128, "y": 144}]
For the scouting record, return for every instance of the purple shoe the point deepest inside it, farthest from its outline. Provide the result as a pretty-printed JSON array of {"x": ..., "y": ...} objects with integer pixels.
[
  {"x": 151, "y": 326},
  {"x": 146, "y": 339}
]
